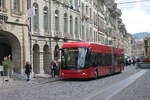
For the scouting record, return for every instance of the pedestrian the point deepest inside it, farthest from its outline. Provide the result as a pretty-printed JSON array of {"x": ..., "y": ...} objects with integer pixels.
[
  {"x": 53, "y": 68},
  {"x": 28, "y": 70},
  {"x": 134, "y": 62},
  {"x": 127, "y": 62}
]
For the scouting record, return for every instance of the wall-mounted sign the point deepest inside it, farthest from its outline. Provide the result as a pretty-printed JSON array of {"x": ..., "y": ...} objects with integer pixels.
[{"x": 3, "y": 17}]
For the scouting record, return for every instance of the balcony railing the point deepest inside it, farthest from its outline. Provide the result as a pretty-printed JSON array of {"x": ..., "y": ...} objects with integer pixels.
[
  {"x": 3, "y": 10},
  {"x": 58, "y": 34},
  {"x": 16, "y": 12}
]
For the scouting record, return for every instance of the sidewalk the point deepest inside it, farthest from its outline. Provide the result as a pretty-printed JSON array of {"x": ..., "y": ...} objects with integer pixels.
[{"x": 6, "y": 82}]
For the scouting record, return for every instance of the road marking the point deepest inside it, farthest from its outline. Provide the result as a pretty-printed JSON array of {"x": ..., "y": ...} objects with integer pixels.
[{"x": 114, "y": 89}]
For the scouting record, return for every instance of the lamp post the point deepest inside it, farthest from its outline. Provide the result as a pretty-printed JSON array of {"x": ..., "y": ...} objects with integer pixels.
[{"x": 29, "y": 29}]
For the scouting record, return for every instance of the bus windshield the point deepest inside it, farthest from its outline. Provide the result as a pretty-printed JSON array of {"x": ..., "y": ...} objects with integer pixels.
[{"x": 73, "y": 58}]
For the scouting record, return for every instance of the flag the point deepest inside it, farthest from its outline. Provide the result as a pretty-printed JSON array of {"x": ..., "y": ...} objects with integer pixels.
[
  {"x": 26, "y": 21},
  {"x": 31, "y": 12}
]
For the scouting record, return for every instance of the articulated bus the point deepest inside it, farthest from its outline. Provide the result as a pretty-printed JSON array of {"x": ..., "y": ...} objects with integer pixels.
[{"x": 89, "y": 60}]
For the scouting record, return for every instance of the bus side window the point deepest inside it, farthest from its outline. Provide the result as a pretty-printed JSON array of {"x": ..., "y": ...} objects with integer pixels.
[
  {"x": 109, "y": 59},
  {"x": 96, "y": 59},
  {"x": 106, "y": 59},
  {"x": 93, "y": 60},
  {"x": 115, "y": 60},
  {"x": 88, "y": 61},
  {"x": 103, "y": 59},
  {"x": 99, "y": 59}
]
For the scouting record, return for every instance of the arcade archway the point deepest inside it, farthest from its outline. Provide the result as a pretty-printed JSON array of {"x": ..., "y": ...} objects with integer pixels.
[
  {"x": 10, "y": 45},
  {"x": 46, "y": 59},
  {"x": 36, "y": 59}
]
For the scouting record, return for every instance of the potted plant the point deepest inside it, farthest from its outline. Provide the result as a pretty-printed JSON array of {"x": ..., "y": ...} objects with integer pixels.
[{"x": 7, "y": 63}]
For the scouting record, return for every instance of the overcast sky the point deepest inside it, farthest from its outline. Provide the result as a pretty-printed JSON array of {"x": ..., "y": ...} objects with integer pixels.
[{"x": 136, "y": 16}]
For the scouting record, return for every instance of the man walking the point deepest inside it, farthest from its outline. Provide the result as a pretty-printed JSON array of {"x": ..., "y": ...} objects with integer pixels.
[{"x": 28, "y": 70}]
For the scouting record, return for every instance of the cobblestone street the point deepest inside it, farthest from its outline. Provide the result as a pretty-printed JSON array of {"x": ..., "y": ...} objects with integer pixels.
[
  {"x": 74, "y": 50},
  {"x": 55, "y": 89}
]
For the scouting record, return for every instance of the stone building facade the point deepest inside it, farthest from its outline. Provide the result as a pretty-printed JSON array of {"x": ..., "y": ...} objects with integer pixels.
[
  {"x": 59, "y": 21},
  {"x": 128, "y": 45},
  {"x": 146, "y": 46},
  {"x": 55, "y": 22},
  {"x": 138, "y": 49},
  {"x": 14, "y": 33}
]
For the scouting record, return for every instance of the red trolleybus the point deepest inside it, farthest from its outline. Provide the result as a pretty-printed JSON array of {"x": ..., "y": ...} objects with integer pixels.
[{"x": 89, "y": 60}]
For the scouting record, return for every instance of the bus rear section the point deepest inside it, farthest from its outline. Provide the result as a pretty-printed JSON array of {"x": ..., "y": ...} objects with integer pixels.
[{"x": 118, "y": 60}]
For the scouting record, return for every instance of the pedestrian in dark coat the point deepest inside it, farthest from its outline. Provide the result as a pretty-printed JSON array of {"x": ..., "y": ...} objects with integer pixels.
[
  {"x": 127, "y": 63},
  {"x": 134, "y": 62},
  {"x": 28, "y": 70},
  {"x": 53, "y": 68}
]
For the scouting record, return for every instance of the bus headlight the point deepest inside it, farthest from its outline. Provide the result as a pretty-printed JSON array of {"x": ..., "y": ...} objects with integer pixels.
[
  {"x": 83, "y": 73},
  {"x": 62, "y": 73}
]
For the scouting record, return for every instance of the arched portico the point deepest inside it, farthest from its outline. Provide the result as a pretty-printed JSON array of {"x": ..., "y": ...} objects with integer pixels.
[
  {"x": 46, "y": 59},
  {"x": 36, "y": 59},
  {"x": 10, "y": 45}
]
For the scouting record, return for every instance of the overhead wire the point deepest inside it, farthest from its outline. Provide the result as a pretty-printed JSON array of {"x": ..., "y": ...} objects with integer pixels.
[
  {"x": 142, "y": 4},
  {"x": 132, "y": 2},
  {"x": 129, "y": 6}
]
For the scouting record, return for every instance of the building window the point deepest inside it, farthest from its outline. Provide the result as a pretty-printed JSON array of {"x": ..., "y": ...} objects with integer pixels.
[
  {"x": 87, "y": 9},
  {"x": 101, "y": 7},
  {"x": 71, "y": 26},
  {"x": 87, "y": 32},
  {"x": 83, "y": 32},
  {"x": 45, "y": 19},
  {"x": 28, "y": 4},
  {"x": 2, "y": 3},
  {"x": 94, "y": 18},
  {"x": 16, "y": 5},
  {"x": 71, "y": 2},
  {"x": 65, "y": 23},
  {"x": 82, "y": 7},
  {"x": 76, "y": 3},
  {"x": 90, "y": 34},
  {"x": 36, "y": 18},
  {"x": 57, "y": 21},
  {"x": 90, "y": 15},
  {"x": 76, "y": 28},
  {"x": 94, "y": 36}
]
